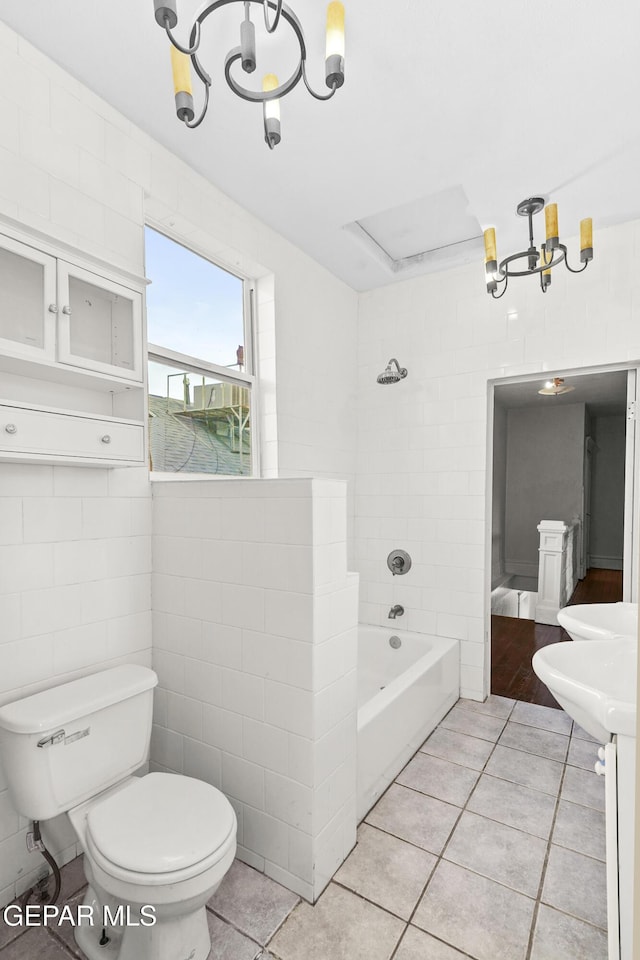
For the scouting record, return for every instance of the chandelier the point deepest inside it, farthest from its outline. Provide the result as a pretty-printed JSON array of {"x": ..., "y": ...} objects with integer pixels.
[
  {"x": 552, "y": 252},
  {"x": 182, "y": 57}
]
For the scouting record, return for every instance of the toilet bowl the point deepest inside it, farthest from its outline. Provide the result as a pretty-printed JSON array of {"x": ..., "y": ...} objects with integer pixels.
[
  {"x": 155, "y": 847},
  {"x": 160, "y": 841}
]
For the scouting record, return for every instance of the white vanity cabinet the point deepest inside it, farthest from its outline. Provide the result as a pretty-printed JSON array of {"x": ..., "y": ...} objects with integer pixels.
[
  {"x": 618, "y": 764},
  {"x": 72, "y": 355}
]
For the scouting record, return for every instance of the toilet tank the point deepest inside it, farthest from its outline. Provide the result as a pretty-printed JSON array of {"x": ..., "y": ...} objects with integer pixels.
[{"x": 66, "y": 744}]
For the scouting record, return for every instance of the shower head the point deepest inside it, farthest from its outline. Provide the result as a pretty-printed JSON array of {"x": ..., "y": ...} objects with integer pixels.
[{"x": 392, "y": 376}]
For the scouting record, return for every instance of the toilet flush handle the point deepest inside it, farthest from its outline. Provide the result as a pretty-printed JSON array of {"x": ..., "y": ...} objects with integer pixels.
[{"x": 53, "y": 738}]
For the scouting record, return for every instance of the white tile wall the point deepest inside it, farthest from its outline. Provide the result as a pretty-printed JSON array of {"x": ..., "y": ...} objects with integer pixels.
[
  {"x": 422, "y": 442},
  {"x": 252, "y": 686},
  {"x": 68, "y": 535},
  {"x": 74, "y": 598}
]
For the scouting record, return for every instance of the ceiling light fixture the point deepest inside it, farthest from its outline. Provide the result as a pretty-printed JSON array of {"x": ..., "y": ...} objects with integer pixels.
[
  {"x": 272, "y": 91},
  {"x": 552, "y": 252},
  {"x": 555, "y": 387}
]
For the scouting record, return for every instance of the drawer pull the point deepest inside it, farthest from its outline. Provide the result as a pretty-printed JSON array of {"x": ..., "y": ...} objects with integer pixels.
[
  {"x": 53, "y": 308},
  {"x": 106, "y": 438},
  {"x": 67, "y": 311},
  {"x": 11, "y": 428}
]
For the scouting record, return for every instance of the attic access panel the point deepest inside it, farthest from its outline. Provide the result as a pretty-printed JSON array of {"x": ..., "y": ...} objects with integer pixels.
[{"x": 427, "y": 227}]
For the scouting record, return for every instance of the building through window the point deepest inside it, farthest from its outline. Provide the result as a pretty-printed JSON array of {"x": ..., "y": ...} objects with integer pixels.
[{"x": 201, "y": 375}]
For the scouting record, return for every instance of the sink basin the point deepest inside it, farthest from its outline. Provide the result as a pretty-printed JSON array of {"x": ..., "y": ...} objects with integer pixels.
[
  {"x": 595, "y": 682},
  {"x": 600, "y": 621}
]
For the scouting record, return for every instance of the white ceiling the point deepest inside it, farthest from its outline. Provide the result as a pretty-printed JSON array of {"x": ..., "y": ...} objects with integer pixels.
[
  {"x": 500, "y": 101},
  {"x": 605, "y": 394}
]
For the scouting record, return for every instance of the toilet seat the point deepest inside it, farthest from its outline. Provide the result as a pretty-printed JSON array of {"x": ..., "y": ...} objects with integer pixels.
[{"x": 159, "y": 829}]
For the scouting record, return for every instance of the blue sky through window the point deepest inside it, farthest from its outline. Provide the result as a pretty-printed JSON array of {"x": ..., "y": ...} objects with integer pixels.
[{"x": 193, "y": 306}]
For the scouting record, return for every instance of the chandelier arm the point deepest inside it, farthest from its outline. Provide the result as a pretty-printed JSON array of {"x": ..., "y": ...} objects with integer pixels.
[
  {"x": 195, "y": 38},
  {"x": 566, "y": 262},
  {"x": 258, "y": 96},
  {"x": 496, "y": 296},
  {"x": 281, "y": 8},
  {"x": 277, "y": 6},
  {"x": 504, "y": 264},
  {"x": 199, "y": 69},
  {"x": 318, "y": 96},
  {"x": 192, "y": 124}
]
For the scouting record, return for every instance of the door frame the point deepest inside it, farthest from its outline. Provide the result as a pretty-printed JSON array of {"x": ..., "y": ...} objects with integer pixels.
[{"x": 632, "y": 489}]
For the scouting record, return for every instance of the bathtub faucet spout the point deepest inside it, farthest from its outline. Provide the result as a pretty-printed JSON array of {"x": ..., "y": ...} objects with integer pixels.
[{"x": 396, "y": 611}]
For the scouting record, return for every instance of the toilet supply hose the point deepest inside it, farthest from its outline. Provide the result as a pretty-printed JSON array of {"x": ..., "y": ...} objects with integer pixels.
[{"x": 37, "y": 890}]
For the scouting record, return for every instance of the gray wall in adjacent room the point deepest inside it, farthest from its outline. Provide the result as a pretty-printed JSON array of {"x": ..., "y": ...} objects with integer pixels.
[
  {"x": 545, "y": 462},
  {"x": 499, "y": 493},
  {"x": 606, "y": 545}
]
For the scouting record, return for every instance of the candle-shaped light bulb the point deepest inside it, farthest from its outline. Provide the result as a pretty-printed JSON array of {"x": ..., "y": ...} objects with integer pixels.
[
  {"x": 490, "y": 244},
  {"x": 181, "y": 67},
  {"x": 586, "y": 239},
  {"x": 334, "y": 58},
  {"x": 335, "y": 29},
  {"x": 271, "y": 111},
  {"x": 551, "y": 223},
  {"x": 490, "y": 259}
]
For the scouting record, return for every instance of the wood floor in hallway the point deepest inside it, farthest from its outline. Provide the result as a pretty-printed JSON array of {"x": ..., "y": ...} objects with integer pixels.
[{"x": 514, "y": 641}]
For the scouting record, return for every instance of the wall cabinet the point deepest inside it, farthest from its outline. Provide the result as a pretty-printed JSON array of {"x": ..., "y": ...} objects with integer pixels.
[
  {"x": 55, "y": 310},
  {"x": 27, "y": 301},
  {"x": 72, "y": 355},
  {"x": 48, "y": 433}
]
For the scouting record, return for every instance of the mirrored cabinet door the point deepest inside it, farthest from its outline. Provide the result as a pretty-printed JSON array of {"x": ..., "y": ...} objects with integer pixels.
[
  {"x": 99, "y": 323},
  {"x": 27, "y": 301}
]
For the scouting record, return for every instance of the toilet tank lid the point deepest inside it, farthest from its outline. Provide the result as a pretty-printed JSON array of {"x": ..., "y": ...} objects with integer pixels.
[{"x": 59, "y": 705}]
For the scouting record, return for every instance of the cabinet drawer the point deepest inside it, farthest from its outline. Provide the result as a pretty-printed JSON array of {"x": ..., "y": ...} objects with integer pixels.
[{"x": 63, "y": 435}]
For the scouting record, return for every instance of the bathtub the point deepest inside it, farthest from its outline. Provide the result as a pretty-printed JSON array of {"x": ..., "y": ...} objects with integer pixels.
[{"x": 402, "y": 694}]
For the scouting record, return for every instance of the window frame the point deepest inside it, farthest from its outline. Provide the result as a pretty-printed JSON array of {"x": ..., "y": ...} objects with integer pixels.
[{"x": 247, "y": 378}]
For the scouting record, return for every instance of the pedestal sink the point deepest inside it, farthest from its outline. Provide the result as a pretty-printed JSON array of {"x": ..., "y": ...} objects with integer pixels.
[
  {"x": 599, "y": 621},
  {"x": 595, "y": 682}
]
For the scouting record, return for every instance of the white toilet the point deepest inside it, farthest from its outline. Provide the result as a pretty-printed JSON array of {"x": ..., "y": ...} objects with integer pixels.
[{"x": 160, "y": 841}]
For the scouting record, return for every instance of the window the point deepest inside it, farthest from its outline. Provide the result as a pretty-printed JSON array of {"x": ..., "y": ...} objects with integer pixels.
[{"x": 201, "y": 377}]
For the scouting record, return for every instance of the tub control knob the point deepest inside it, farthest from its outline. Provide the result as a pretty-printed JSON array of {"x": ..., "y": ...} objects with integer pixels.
[{"x": 399, "y": 562}]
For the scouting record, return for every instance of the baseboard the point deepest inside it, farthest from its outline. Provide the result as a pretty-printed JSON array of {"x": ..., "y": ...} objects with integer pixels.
[
  {"x": 500, "y": 580},
  {"x": 605, "y": 563},
  {"x": 521, "y": 568},
  {"x": 547, "y": 615}
]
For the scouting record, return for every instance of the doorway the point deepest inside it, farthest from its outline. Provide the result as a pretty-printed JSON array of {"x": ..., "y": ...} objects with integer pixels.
[{"x": 568, "y": 456}]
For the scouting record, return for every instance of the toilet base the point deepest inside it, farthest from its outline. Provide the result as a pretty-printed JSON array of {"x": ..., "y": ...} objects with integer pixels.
[{"x": 183, "y": 937}]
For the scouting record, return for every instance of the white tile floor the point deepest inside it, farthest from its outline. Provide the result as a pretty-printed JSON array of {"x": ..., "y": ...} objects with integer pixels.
[{"x": 489, "y": 845}]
